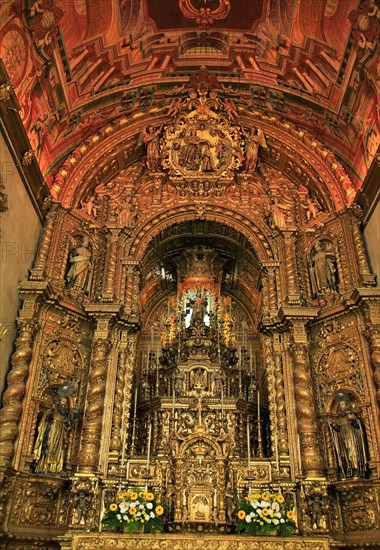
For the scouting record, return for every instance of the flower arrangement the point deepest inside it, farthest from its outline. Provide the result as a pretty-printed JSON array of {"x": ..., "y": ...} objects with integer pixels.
[
  {"x": 135, "y": 511},
  {"x": 265, "y": 514}
]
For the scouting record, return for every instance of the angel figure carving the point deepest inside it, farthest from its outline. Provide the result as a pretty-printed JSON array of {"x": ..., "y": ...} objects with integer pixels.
[
  {"x": 151, "y": 139},
  {"x": 253, "y": 141}
]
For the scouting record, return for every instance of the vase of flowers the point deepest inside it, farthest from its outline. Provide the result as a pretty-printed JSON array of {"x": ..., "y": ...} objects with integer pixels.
[
  {"x": 265, "y": 514},
  {"x": 134, "y": 511}
]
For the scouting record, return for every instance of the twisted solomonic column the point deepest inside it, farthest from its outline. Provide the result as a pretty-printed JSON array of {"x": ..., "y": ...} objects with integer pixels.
[
  {"x": 93, "y": 417},
  {"x": 280, "y": 405},
  {"x": 38, "y": 271},
  {"x": 312, "y": 464},
  {"x": 16, "y": 383}
]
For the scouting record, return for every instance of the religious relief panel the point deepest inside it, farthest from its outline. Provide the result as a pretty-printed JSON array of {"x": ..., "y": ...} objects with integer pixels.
[{"x": 204, "y": 141}]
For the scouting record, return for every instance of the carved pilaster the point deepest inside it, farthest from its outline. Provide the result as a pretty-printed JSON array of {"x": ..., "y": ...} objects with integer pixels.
[
  {"x": 93, "y": 419},
  {"x": 269, "y": 276},
  {"x": 367, "y": 279},
  {"x": 280, "y": 400},
  {"x": 119, "y": 396},
  {"x": 131, "y": 359},
  {"x": 14, "y": 393},
  {"x": 291, "y": 268},
  {"x": 373, "y": 335},
  {"x": 135, "y": 294},
  {"x": 265, "y": 294},
  {"x": 312, "y": 464},
  {"x": 131, "y": 267},
  {"x": 110, "y": 269},
  {"x": 38, "y": 271}
]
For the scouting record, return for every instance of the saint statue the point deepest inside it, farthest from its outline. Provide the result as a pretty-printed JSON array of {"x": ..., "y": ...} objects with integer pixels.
[
  {"x": 198, "y": 307},
  {"x": 253, "y": 141},
  {"x": 349, "y": 441},
  {"x": 53, "y": 432},
  {"x": 80, "y": 260},
  {"x": 322, "y": 268},
  {"x": 150, "y": 139}
]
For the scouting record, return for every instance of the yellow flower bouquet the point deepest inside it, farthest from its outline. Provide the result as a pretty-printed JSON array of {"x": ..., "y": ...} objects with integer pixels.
[
  {"x": 266, "y": 514},
  {"x": 134, "y": 511}
]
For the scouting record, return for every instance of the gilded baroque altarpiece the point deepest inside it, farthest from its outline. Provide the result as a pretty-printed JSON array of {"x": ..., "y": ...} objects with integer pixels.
[{"x": 200, "y": 320}]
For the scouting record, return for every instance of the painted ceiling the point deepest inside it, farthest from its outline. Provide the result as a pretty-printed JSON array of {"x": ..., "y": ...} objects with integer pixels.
[{"x": 81, "y": 68}]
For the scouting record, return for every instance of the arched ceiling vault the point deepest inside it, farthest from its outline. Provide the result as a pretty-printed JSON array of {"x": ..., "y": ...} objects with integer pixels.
[
  {"x": 314, "y": 64},
  {"x": 241, "y": 270},
  {"x": 108, "y": 153}
]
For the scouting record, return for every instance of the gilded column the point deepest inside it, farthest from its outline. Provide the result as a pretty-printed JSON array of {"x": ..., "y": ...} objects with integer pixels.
[
  {"x": 365, "y": 272},
  {"x": 280, "y": 399},
  {"x": 38, "y": 271},
  {"x": 117, "y": 416},
  {"x": 131, "y": 266},
  {"x": 291, "y": 267},
  {"x": 373, "y": 335},
  {"x": 12, "y": 398},
  {"x": 312, "y": 464},
  {"x": 93, "y": 418},
  {"x": 269, "y": 276},
  {"x": 123, "y": 397},
  {"x": 131, "y": 360},
  {"x": 265, "y": 294},
  {"x": 109, "y": 279}
]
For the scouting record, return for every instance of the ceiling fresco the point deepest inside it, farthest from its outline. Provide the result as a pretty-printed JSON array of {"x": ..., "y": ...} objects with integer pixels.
[{"x": 79, "y": 66}]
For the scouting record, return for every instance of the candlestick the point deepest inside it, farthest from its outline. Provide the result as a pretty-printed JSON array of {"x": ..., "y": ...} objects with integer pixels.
[
  {"x": 258, "y": 404},
  {"x": 222, "y": 402},
  {"x": 123, "y": 449},
  {"x": 299, "y": 456},
  {"x": 276, "y": 452},
  {"x": 248, "y": 445},
  {"x": 149, "y": 442},
  {"x": 135, "y": 403},
  {"x": 173, "y": 404}
]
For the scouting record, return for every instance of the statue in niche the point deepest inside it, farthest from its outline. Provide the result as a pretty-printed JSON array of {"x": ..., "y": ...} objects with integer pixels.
[
  {"x": 198, "y": 306},
  {"x": 150, "y": 138},
  {"x": 179, "y": 379},
  {"x": 78, "y": 276},
  {"x": 53, "y": 432},
  {"x": 349, "y": 441},
  {"x": 253, "y": 141},
  {"x": 322, "y": 269},
  {"x": 217, "y": 383}
]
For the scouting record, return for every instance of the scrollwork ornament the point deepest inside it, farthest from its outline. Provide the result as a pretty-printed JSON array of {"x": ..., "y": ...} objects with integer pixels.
[
  {"x": 6, "y": 91},
  {"x": 27, "y": 158}
]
